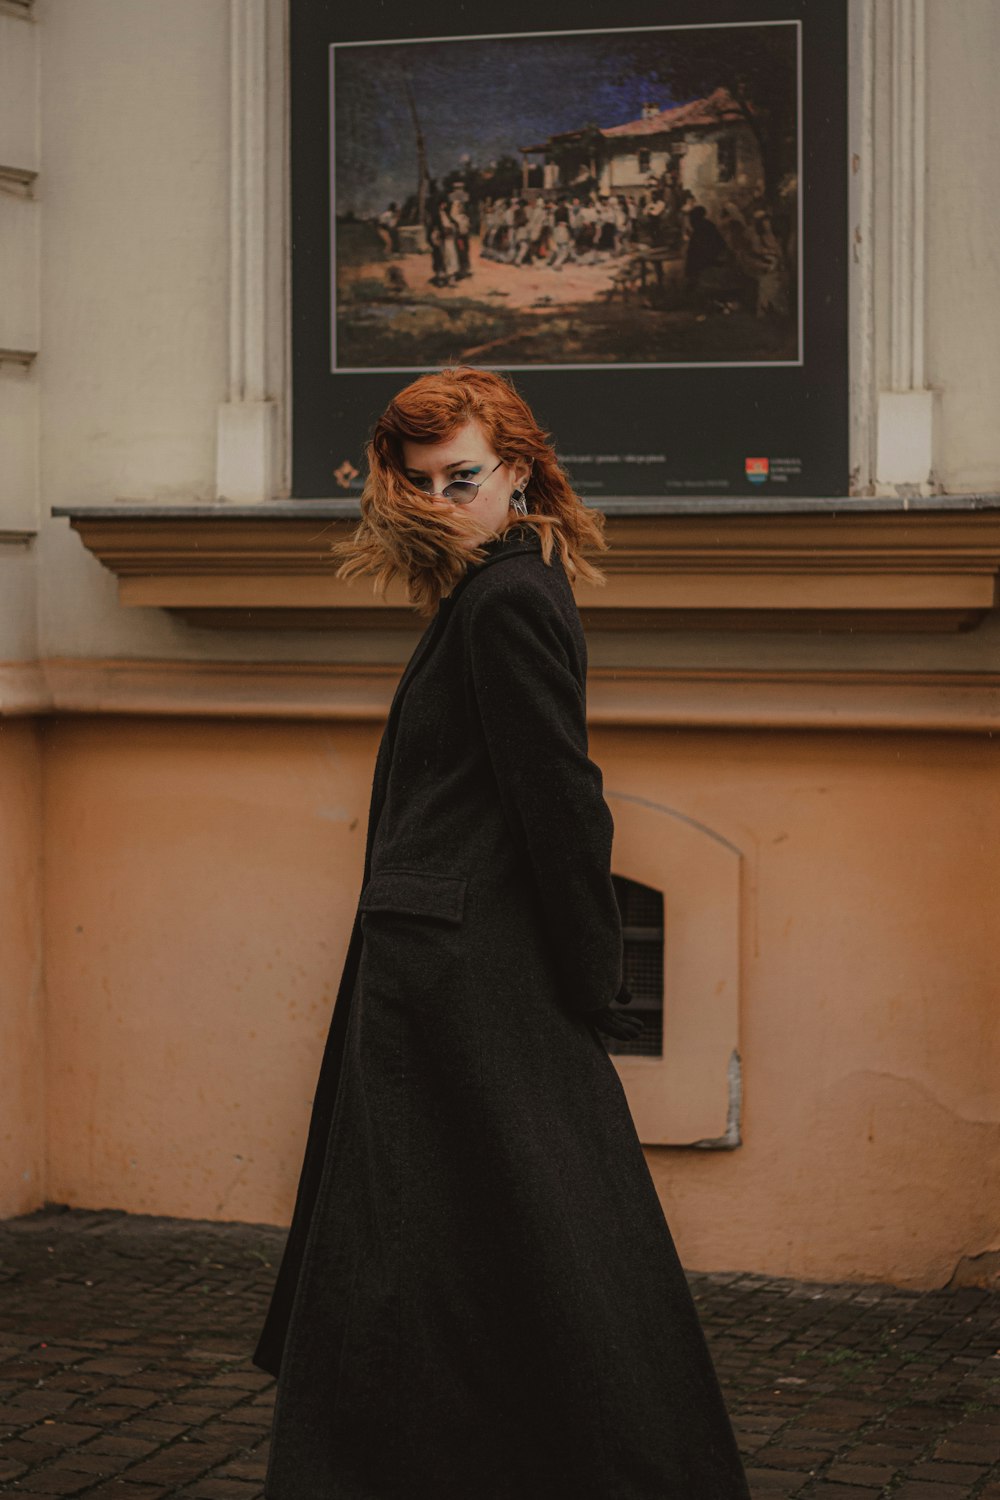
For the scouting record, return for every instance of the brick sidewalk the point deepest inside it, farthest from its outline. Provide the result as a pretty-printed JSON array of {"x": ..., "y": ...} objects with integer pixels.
[{"x": 125, "y": 1370}]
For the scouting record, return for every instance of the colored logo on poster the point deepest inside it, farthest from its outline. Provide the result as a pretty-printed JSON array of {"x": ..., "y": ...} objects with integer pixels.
[{"x": 757, "y": 469}]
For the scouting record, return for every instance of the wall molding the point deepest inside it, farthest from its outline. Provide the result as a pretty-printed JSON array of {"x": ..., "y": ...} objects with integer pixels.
[
  {"x": 650, "y": 697},
  {"x": 870, "y": 570}
]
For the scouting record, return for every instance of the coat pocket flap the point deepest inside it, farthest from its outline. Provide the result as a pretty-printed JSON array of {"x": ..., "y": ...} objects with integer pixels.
[{"x": 415, "y": 893}]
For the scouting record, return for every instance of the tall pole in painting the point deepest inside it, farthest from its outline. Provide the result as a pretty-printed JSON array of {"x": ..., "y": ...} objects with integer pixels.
[{"x": 422, "y": 173}]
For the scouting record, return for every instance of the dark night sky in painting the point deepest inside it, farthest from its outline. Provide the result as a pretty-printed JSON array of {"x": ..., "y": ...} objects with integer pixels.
[{"x": 478, "y": 99}]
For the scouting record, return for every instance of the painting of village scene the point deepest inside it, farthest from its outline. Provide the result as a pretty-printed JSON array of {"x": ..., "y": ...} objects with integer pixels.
[{"x": 570, "y": 199}]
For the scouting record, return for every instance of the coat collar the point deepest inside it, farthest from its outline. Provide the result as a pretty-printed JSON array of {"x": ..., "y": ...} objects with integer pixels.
[{"x": 514, "y": 542}]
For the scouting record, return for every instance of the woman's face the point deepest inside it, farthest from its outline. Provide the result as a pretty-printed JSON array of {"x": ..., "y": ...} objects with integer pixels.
[{"x": 467, "y": 454}]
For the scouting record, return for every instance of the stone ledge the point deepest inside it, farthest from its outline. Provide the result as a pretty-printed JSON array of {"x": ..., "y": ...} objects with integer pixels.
[
  {"x": 682, "y": 698},
  {"x": 873, "y": 570}
]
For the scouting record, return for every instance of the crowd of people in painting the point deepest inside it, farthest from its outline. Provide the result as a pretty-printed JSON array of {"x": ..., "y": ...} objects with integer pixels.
[{"x": 748, "y": 248}]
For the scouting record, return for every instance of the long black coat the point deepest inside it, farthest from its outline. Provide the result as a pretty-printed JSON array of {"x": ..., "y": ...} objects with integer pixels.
[{"x": 479, "y": 1298}]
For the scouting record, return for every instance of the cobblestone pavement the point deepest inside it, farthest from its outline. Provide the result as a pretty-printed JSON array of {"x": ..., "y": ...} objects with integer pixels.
[{"x": 125, "y": 1370}]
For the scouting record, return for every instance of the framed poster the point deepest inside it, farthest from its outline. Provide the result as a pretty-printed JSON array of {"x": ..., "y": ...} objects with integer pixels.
[{"x": 640, "y": 214}]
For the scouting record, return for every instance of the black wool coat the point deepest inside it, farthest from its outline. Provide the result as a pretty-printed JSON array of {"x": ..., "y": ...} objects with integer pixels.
[{"x": 480, "y": 1298}]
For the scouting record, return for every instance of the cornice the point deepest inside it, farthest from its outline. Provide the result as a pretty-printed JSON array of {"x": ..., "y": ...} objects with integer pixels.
[{"x": 919, "y": 569}]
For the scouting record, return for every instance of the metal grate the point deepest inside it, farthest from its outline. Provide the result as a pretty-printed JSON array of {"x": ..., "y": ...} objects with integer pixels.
[{"x": 641, "y": 910}]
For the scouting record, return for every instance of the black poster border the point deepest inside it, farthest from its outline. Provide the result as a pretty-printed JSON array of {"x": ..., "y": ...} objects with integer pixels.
[{"x": 706, "y": 420}]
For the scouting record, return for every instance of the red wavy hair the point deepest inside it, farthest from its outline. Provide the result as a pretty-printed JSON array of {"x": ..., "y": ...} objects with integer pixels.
[{"x": 405, "y": 534}]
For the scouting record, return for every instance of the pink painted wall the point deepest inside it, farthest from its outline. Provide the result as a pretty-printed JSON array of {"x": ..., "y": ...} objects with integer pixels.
[
  {"x": 870, "y": 1018},
  {"x": 201, "y": 879},
  {"x": 22, "y": 997}
]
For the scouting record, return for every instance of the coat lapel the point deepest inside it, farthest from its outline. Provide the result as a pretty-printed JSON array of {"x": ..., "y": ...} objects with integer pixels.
[{"x": 512, "y": 544}]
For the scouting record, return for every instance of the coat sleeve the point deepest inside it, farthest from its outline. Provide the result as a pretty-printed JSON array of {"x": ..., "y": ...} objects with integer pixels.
[{"x": 529, "y": 684}]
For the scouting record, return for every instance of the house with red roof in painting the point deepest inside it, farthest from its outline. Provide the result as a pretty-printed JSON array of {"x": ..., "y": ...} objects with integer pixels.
[{"x": 705, "y": 147}]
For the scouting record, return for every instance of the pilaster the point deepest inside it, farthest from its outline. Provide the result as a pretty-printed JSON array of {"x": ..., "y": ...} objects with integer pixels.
[
  {"x": 248, "y": 460},
  {"x": 904, "y": 450}
]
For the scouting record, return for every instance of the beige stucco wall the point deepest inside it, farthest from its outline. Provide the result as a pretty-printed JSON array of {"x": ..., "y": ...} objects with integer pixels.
[
  {"x": 202, "y": 884},
  {"x": 23, "y": 1082},
  {"x": 870, "y": 1026},
  {"x": 18, "y": 619},
  {"x": 196, "y": 901}
]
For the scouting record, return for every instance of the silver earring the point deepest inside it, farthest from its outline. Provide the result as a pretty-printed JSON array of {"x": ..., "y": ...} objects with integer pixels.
[{"x": 519, "y": 503}]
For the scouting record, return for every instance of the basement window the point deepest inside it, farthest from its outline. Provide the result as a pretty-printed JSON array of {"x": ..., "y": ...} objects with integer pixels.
[{"x": 641, "y": 910}]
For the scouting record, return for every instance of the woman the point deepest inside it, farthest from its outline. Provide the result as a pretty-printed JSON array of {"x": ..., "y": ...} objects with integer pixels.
[{"x": 479, "y": 1298}]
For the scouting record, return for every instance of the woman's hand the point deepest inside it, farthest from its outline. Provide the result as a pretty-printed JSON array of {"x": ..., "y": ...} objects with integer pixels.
[
  {"x": 615, "y": 1023},
  {"x": 612, "y": 1022}
]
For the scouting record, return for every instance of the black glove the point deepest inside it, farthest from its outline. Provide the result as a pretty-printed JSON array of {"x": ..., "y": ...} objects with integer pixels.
[{"x": 612, "y": 1023}]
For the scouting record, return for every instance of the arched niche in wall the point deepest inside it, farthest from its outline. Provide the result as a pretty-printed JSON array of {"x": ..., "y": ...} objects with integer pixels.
[{"x": 691, "y": 1094}]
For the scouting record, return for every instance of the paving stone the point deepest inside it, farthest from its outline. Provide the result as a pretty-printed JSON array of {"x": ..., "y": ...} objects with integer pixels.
[
  {"x": 185, "y": 1414},
  {"x": 40, "y": 1400},
  {"x": 790, "y": 1458},
  {"x": 52, "y": 1481},
  {"x": 248, "y": 1416},
  {"x": 122, "y": 1489},
  {"x": 159, "y": 1380},
  {"x": 846, "y": 1472},
  {"x": 966, "y": 1453},
  {"x": 893, "y": 1455},
  {"x": 772, "y": 1481},
  {"x": 118, "y": 1444},
  {"x": 949, "y": 1473},
  {"x": 244, "y": 1380},
  {"x": 97, "y": 1464},
  {"x": 158, "y": 1432},
  {"x": 826, "y": 1491},
  {"x": 54, "y": 1434},
  {"x": 129, "y": 1396},
  {"x": 175, "y": 1464},
  {"x": 79, "y": 1383},
  {"x": 221, "y": 1430},
  {"x": 219, "y": 1489},
  {"x": 928, "y": 1489},
  {"x": 30, "y": 1454},
  {"x": 100, "y": 1416},
  {"x": 244, "y": 1468}
]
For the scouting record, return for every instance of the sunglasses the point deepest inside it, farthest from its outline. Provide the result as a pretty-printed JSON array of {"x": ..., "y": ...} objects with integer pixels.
[{"x": 460, "y": 490}]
